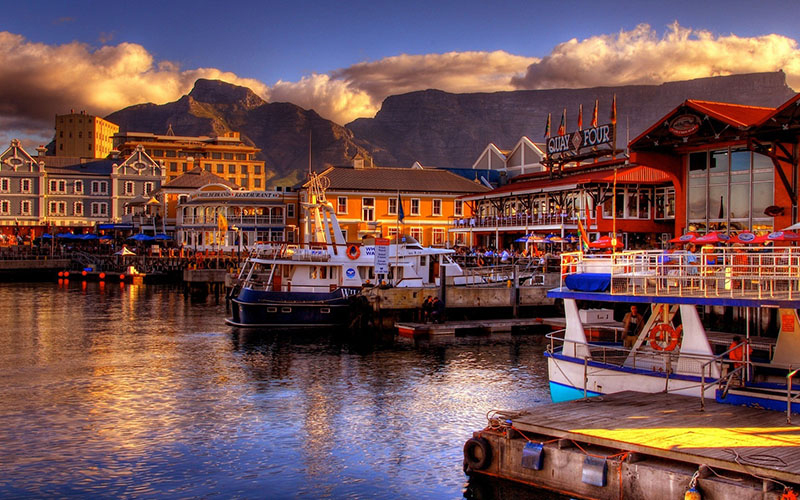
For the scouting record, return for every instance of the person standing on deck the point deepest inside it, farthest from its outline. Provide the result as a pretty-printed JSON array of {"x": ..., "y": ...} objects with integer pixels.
[
  {"x": 736, "y": 352},
  {"x": 631, "y": 325}
]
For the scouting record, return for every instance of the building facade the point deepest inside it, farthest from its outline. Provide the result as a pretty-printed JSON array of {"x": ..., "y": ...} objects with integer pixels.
[
  {"x": 367, "y": 202},
  {"x": 84, "y": 136},
  {"x": 39, "y": 194},
  {"x": 225, "y": 155}
]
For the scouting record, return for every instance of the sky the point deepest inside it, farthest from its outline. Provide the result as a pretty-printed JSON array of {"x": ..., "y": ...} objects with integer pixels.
[{"x": 343, "y": 58}]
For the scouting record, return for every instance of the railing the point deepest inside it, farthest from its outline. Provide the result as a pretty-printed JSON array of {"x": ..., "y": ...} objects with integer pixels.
[
  {"x": 258, "y": 220},
  {"x": 789, "y": 397},
  {"x": 513, "y": 220},
  {"x": 735, "y": 273}
]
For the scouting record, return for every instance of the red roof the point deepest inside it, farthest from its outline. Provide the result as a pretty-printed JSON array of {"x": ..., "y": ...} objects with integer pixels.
[{"x": 632, "y": 174}]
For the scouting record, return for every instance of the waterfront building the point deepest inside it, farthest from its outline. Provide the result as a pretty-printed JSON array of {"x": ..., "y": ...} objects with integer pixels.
[
  {"x": 366, "y": 200},
  {"x": 224, "y": 155},
  {"x": 51, "y": 193},
  {"x": 222, "y": 216},
  {"x": 524, "y": 158},
  {"x": 80, "y": 135}
]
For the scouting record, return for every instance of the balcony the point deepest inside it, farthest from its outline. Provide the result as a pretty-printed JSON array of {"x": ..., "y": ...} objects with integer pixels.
[
  {"x": 247, "y": 220},
  {"x": 518, "y": 220}
]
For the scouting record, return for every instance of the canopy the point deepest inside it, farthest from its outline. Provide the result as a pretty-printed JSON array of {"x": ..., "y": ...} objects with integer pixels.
[
  {"x": 555, "y": 239},
  {"x": 686, "y": 238},
  {"x": 793, "y": 227},
  {"x": 524, "y": 239},
  {"x": 745, "y": 237},
  {"x": 106, "y": 237},
  {"x": 87, "y": 236},
  {"x": 124, "y": 251},
  {"x": 141, "y": 237},
  {"x": 162, "y": 236},
  {"x": 47, "y": 236},
  {"x": 604, "y": 242},
  {"x": 536, "y": 238},
  {"x": 68, "y": 236},
  {"x": 777, "y": 236},
  {"x": 712, "y": 237}
]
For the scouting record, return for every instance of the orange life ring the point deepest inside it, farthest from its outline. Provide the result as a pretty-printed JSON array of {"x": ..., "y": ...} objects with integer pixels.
[
  {"x": 665, "y": 338},
  {"x": 353, "y": 252}
]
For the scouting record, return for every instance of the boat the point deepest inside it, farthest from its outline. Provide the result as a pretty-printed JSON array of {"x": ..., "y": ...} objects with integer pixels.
[
  {"x": 315, "y": 283},
  {"x": 674, "y": 352}
]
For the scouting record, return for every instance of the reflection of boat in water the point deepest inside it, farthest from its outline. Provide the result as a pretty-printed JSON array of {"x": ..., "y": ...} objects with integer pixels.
[
  {"x": 673, "y": 351},
  {"x": 314, "y": 283}
]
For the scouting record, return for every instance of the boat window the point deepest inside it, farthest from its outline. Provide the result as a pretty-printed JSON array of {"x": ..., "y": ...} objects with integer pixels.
[
  {"x": 325, "y": 310},
  {"x": 423, "y": 260},
  {"x": 272, "y": 309},
  {"x": 286, "y": 309}
]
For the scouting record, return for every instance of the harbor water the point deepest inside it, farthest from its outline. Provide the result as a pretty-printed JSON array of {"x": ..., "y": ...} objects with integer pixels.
[{"x": 139, "y": 391}]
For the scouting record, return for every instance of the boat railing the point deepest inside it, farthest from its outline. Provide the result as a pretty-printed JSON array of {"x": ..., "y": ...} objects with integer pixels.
[
  {"x": 609, "y": 351},
  {"x": 719, "y": 272}
]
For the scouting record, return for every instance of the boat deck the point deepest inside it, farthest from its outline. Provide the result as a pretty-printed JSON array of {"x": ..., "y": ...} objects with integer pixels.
[
  {"x": 486, "y": 326},
  {"x": 734, "y": 438}
]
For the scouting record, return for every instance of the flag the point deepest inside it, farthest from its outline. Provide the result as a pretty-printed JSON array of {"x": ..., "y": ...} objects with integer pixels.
[
  {"x": 222, "y": 223},
  {"x": 562, "y": 129},
  {"x": 580, "y": 116},
  {"x": 547, "y": 127},
  {"x": 594, "y": 114},
  {"x": 400, "y": 214},
  {"x": 584, "y": 238},
  {"x": 614, "y": 110}
]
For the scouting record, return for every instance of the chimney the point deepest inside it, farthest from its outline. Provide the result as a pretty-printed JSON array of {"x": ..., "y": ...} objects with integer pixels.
[{"x": 41, "y": 151}]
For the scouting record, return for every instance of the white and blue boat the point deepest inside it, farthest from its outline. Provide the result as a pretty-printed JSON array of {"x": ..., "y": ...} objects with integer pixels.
[
  {"x": 673, "y": 352},
  {"x": 315, "y": 283}
]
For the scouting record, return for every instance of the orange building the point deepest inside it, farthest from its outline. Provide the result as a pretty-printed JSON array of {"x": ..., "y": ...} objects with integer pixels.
[
  {"x": 84, "y": 136},
  {"x": 225, "y": 156},
  {"x": 367, "y": 202}
]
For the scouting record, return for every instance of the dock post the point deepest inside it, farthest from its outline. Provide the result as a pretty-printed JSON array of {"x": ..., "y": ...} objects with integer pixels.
[
  {"x": 443, "y": 285},
  {"x": 515, "y": 292}
]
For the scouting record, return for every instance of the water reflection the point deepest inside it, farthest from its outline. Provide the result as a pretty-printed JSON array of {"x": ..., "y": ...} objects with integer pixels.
[{"x": 140, "y": 391}]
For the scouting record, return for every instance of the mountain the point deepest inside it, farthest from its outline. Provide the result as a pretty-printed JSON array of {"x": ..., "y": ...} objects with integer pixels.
[
  {"x": 443, "y": 129},
  {"x": 280, "y": 129}
]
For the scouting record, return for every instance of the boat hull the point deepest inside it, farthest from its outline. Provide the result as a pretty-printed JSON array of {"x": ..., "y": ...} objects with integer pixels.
[{"x": 252, "y": 309}]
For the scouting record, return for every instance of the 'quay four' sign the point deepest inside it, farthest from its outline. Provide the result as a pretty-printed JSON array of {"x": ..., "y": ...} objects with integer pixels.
[{"x": 575, "y": 141}]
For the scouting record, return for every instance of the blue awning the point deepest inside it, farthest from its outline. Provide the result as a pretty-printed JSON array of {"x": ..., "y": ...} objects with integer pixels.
[{"x": 120, "y": 227}]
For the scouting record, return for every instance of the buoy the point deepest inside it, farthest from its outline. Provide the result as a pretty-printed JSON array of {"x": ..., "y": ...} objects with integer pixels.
[
  {"x": 122, "y": 277},
  {"x": 60, "y": 274},
  {"x": 84, "y": 273},
  {"x": 692, "y": 494},
  {"x": 66, "y": 274},
  {"x": 102, "y": 276}
]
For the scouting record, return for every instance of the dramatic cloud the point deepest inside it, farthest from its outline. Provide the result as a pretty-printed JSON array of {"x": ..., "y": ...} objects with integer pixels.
[
  {"x": 640, "y": 56},
  {"x": 358, "y": 90},
  {"x": 39, "y": 81}
]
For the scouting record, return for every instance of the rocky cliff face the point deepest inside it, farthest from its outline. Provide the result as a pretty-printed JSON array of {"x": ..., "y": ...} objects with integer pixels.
[
  {"x": 443, "y": 129},
  {"x": 280, "y": 129}
]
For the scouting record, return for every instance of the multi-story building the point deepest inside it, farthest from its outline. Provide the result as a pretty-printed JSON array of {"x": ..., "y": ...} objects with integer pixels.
[
  {"x": 367, "y": 200},
  {"x": 225, "y": 155},
  {"x": 84, "y": 136},
  {"x": 38, "y": 193}
]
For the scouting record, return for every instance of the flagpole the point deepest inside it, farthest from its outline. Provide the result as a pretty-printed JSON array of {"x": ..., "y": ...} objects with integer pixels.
[{"x": 397, "y": 240}]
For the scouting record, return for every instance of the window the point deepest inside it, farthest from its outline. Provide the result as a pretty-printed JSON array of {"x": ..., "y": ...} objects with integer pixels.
[
  {"x": 99, "y": 187},
  {"x": 257, "y": 169},
  {"x": 220, "y": 168},
  {"x": 129, "y": 187},
  {"x": 25, "y": 207},
  {"x": 58, "y": 208},
  {"x": 227, "y": 156},
  {"x": 58, "y": 186},
  {"x": 241, "y": 156},
  {"x": 99, "y": 209},
  {"x": 437, "y": 209},
  {"x": 207, "y": 167},
  {"x": 341, "y": 205},
  {"x": 25, "y": 186},
  {"x": 231, "y": 168},
  {"x": 665, "y": 203},
  {"x": 244, "y": 169},
  {"x": 77, "y": 208},
  {"x": 173, "y": 166},
  {"x": 216, "y": 156},
  {"x": 148, "y": 188},
  {"x": 184, "y": 166},
  {"x": 5, "y": 185},
  {"x": 257, "y": 183},
  {"x": 78, "y": 187},
  {"x": 290, "y": 210},
  {"x": 458, "y": 210},
  {"x": 368, "y": 209},
  {"x": 5, "y": 207},
  {"x": 414, "y": 206},
  {"x": 416, "y": 233},
  {"x": 170, "y": 154},
  {"x": 438, "y": 236},
  {"x": 392, "y": 206}
]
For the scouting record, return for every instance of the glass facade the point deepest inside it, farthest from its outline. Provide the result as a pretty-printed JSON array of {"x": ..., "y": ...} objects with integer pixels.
[{"x": 729, "y": 189}]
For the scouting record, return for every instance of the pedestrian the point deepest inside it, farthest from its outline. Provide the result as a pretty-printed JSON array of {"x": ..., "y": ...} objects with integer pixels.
[
  {"x": 631, "y": 324},
  {"x": 736, "y": 351}
]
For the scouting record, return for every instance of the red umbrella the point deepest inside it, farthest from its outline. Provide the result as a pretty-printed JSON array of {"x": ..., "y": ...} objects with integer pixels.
[
  {"x": 686, "y": 238},
  {"x": 745, "y": 237},
  {"x": 777, "y": 236},
  {"x": 712, "y": 237},
  {"x": 604, "y": 242}
]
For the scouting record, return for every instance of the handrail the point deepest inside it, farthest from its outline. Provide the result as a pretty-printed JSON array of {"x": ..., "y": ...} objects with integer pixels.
[{"x": 789, "y": 397}]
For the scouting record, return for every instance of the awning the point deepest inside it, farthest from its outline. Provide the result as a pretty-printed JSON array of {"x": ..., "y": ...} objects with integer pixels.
[{"x": 120, "y": 227}]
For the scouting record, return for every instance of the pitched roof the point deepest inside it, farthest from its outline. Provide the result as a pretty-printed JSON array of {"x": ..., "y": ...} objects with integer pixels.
[
  {"x": 735, "y": 114},
  {"x": 96, "y": 167},
  {"x": 197, "y": 178},
  {"x": 416, "y": 180}
]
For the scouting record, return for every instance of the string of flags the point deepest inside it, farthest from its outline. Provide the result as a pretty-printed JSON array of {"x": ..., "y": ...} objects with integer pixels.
[{"x": 562, "y": 127}]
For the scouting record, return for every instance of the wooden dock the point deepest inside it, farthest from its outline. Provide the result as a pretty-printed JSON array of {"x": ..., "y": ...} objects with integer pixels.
[
  {"x": 482, "y": 327},
  {"x": 653, "y": 444}
]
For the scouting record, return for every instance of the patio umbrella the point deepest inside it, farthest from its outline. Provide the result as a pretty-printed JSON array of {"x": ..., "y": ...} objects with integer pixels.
[
  {"x": 571, "y": 238},
  {"x": 535, "y": 238},
  {"x": 87, "y": 236},
  {"x": 162, "y": 236},
  {"x": 686, "y": 238},
  {"x": 124, "y": 252},
  {"x": 604, "y": 242},
  {"x": 777, "y": 236},
  {"x": 47, "y": 236},
  {"x": 712, "y": 237},
  {"x": 524, "y": 239},
  {"x": 744, "y": 237},
  {"x": 106, "y": 237},
  {"x": 68, "y": 236},
  {"x": 141, "y": 237},
  {"x": 556, "y": 239}
]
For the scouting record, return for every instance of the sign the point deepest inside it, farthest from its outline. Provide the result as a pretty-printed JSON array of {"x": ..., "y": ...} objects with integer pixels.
[
  {"x": 381, "y": 256},
  {"x": 575, "y": 141},
  {"x": 350, "y": 273},
  {"x": 684, "y": 125},
  {"x": 260, "y": 195}
]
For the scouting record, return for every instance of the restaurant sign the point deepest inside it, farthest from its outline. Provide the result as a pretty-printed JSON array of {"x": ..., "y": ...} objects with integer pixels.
[
  {"x": 575, "y": 141},
  {"x": 684, "y": 125},
  {"x": 250, "y": 195}
]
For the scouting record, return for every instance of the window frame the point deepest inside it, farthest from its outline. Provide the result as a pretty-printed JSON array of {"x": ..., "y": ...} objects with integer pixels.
[
  {"x": 368, "y": 210},
  {"x": 434, "y": 211},
  {"x": 339, "y": 204},
  {"x": 411, "y": 210}
]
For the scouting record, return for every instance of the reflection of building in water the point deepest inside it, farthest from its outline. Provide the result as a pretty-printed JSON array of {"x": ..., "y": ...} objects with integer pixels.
[{"x": 219, "y": 216}]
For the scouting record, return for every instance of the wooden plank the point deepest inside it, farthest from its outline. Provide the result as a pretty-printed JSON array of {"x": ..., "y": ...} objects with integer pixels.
[{"x": 671, "y": 426}]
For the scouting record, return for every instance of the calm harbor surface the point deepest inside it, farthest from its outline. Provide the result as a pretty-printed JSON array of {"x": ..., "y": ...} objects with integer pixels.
[{"x": 138, "y": 391}]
